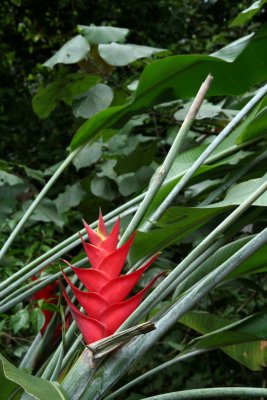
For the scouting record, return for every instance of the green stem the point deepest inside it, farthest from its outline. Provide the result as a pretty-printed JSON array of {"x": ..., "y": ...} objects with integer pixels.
[
  {"x": 153, "y": 371},
  {"x": 160, "y": 175},
  {"x": 37, "y": 200},
  {"x": 29, "y": 271},
  {"x": 113, "y": 368},
  {"x": 170, "y": 282},
  {"x": 222, "y": 392},
  {"x": 203, "y": 157},
  {"x": 237, "y": 175}
]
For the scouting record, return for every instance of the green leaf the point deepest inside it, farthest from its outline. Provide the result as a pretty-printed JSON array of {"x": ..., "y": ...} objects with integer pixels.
[
  {"x": 124, "y": 54},
  {"x": 47, "y": 211},
  {"x": 244, "y": 341},
  {"x": 104, "y": 188},
  {"x": 89, "y": 155},
  {"x": 179, "y": 77},
  {"x": 70, "y": 198},
  {"x": 256, "y": 127},
  {"x": 72, "y": 52},
  {"x": 37, "y": 319},
  {"x": 38, "y": 388},
  {"x": 207, "y": 111},
  {"x": 103, "y": 34},
  {"x": 64, "y": 89},
  {"x": 240, "y": 192},
  {"x": 20, "y": 320},
  {"x": 232, "y": 50},
  {"x": 247, "y": 14},
  {"x": 175, "y": 223},
  {"x": 97, "y": 98},
  {"x": 9, "y": 179}
]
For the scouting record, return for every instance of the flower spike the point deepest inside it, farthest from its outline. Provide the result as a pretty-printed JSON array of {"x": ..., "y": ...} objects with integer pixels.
[{"x": 105, "y": 302}]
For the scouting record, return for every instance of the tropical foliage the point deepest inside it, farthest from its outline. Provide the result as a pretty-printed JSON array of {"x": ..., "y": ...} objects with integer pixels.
[{"x": 178, "y": 168}]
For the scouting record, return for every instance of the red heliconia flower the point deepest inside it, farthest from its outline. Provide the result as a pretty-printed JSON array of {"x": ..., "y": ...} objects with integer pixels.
[
  {"x": 105, "y": 301},
  {"x": 48, "y": 294}
]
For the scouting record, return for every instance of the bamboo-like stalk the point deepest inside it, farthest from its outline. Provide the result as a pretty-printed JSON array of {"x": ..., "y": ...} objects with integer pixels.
[
  {"x": 154, "y": 371},
  {"x": 222, "y": 392},
  {"x": 225, "y": 132},
  {"x": 97, "y": 385},
  {"x": 160, "y": 175},
  {"x": 62, "y": 248},
  {"x": 170, "y": 282},
  {"x": 37, "y": 200}
]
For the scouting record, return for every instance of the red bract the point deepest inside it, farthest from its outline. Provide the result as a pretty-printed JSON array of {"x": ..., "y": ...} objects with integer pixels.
[
  {"x": 48, "y": 294},
  {"x": 105, "y": 300}
]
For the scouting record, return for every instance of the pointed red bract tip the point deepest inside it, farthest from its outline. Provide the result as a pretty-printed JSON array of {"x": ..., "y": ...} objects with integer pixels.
[{"x": 104, "y": 303}]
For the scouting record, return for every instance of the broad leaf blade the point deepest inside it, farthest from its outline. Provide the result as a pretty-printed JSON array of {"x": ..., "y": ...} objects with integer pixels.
[
  {"x": 36, "y": 387},
  {"x": 244, "y": 341}
]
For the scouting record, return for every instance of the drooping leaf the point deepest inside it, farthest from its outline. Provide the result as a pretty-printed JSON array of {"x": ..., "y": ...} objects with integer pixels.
[
  {"x": 89, "y": 155},
  {"x": 240, "y": 192},
  {"x": 179, "y": 77},
  {"x": 71, "y": 52},
  {"x": 38, "y": 388},
  {"x": 97, "y": 98},
  {"x": 256, "y": 127},
  {"x": 71, "y": 197},
  {"x": 244, "y": 341},
  {"x": 64, "y": 89},
  {"x": 123, "y": 54},
  {"x": 103, "y": 34},
  {"x": 247, "y": 14},
  {"x": 9, "y": 179}
]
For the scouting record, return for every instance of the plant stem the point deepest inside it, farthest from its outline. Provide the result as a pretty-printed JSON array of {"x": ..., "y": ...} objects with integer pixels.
[
  {"x": 222, "y": 392},
  {"x": 153, "y": 371},
  {"x": 181, "y": 184},
  {"x": 160, "y": 175},
  {"x": 113, "y": 368},
  {"x": 37, "y": 200},
  {"x": 29, "y": 271},
  {"x": 170, "y": 282}
]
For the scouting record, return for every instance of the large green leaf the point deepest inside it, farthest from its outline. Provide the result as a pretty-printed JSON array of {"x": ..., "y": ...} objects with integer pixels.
[
  {"x": 248, "y": 13},
  {"x": 37, "y": 388},
  {"x": 179, "y": 77},
  {"x": 96, "y": 99},
  {"x": 71, "y": 52},
  {"x": 175, "y": 223},
  {"x": 64, "y": 89},
  {"x": 103, "y": 34},
  {"x": 240, "y": 192},
  {"x": 256, "y": 127},
  {"x": 244, "y": 341},
  {"x": 122, "y": 54}
]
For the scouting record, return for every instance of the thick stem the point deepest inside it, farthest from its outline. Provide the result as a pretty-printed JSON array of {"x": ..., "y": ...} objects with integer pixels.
[
  {"x": 181, "y": 184},
  {"x": 222, "y": 392},
  {"x": 159, "y": 177}
]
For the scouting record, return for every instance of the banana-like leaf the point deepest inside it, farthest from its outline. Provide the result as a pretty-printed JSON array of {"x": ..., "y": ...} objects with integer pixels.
[
  {"x": 177, "y": 77},
  {"x": 244, "y": 341},
  {"x": 12, "y": 379}
]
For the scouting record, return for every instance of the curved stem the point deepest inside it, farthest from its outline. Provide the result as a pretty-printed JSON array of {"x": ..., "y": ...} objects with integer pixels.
[
  {"x": 222, "y": 392},
  {"x": 160, "y": 175},
  {"x": 37, "y": 200},
  {"x": 176, "y": 190},
  {"x": 153, "y": 371}
]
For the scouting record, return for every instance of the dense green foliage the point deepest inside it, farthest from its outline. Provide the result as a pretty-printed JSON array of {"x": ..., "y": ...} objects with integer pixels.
[{"x": 48, "y": 110}]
